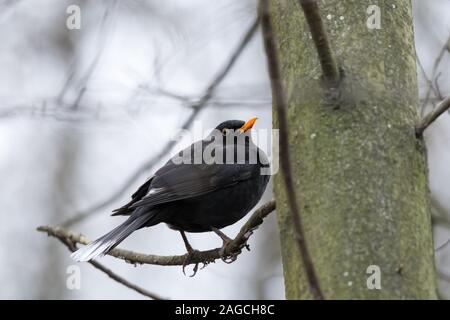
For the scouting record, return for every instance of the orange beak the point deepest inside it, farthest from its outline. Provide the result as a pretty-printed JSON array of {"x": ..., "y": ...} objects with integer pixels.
[{"x": 248, "y": 125}]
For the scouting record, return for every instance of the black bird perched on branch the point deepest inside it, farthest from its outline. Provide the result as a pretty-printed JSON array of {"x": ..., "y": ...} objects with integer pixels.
[{"x": 210, "y": 185}]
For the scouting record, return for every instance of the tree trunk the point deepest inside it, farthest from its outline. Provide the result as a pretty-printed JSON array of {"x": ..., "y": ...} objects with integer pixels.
[{"x": 360, "y": 171}]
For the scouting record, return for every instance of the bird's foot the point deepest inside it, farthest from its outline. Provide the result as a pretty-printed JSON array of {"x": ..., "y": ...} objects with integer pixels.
[
  {"x": 223, "y": 248},
  {"x": 187, "y": 261},
  {"x": 225, "y": 256}
]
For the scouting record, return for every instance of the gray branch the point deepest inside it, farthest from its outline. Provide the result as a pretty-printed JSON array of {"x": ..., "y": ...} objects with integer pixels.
[
  {"x": 229, "y": 253},
  {"x": 432, "y": 116}
]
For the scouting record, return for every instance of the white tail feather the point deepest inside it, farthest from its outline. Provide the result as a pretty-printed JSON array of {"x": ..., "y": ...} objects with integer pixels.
[
  {"x": 93, "y": 250},
  {"x": 103, "y": 244}
]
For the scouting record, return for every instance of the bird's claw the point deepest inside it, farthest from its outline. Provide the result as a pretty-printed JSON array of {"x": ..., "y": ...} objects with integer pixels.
[
  {"x": 228, "y": 257},
  {"x": 187, "y": 260}
]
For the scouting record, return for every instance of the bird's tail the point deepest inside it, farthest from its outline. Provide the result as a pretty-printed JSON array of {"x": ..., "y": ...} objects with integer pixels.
[{"x": 107, "y": 242}]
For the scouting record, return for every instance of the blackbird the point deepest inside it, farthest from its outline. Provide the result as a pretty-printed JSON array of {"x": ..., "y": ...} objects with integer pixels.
[{"x": 195, "y": 196}]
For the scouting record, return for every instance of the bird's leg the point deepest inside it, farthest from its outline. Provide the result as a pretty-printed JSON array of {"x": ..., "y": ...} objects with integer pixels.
[
  {"x": 190, "y": 251},
  {"x": 226, "y": 240},
  {"x": 186, "y": 242}
]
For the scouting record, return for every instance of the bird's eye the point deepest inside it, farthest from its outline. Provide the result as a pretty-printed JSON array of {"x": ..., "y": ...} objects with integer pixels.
[{"x": 225, "y": 131}]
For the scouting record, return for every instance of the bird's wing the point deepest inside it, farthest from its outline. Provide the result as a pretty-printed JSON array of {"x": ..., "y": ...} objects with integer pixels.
[
  {"x": 138, "y": 195},
  {"x": 177, "y": 182}
]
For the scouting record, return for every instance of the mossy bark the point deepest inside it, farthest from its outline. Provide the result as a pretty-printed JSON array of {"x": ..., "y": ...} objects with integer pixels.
[{"x": 360, "y": 171}]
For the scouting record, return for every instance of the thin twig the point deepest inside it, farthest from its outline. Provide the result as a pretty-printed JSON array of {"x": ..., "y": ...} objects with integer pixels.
[
  {"x": 436, "y": 64},
  {"x": 437, "y": 86},
  {"x": 71, "y": 245},
  {"x": 196, "y": 108},
  {"x": 320, "y": 38},
  {"x": 432, "y": 116},
  {"x": 102, "y": 35},
  {"x": 425, "y": 76},
  {"x": 233, "y": 249},
  {"x": 442, "y": 246},
  {"x": 188, "y": 101},
  {"x": 281, "y": 108}
]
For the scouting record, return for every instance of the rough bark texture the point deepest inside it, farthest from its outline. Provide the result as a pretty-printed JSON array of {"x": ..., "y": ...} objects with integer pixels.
[{"x": 359, "y": 170}]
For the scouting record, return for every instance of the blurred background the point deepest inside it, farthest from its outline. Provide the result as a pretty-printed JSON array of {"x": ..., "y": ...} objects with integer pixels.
[{"x": 87, "y": 115}]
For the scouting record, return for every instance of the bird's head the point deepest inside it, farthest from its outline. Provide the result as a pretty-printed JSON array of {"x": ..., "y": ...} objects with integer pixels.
[
  {"x": 236, "y": 127},
  {"x": 232, "y": 132}
]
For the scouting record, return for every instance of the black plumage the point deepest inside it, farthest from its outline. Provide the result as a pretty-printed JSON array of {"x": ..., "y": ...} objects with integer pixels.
[{"x": 195, "y": 197}]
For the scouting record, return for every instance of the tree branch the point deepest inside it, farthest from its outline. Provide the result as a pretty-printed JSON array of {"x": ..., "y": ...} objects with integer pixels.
[
  {"x": 433, "y": 83},
  {"x": 320, "y": 38},
  {"x": 437, "y": 62},
  {"x": 281, "y": 108},
  {"x": 71, "y": 245},
  {"x": 102, "y": 35},
  {"x": 442, "y": 246},
  {"x": 188, "y": 101},
  {"x": 432, "y": 116},
  {"x": 196, "y": 108},
  {"x": 231, "y": 251}
]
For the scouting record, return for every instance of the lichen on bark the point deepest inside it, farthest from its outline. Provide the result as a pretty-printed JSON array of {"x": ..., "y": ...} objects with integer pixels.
[{"x": 360, "y": 171}]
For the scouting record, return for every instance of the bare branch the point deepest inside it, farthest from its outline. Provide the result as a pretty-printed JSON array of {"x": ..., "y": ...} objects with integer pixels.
[
  {"x": 285, "y": 159},
  {"x": 71, "y": 245},
  {"x": 50, "y": 108},
  {"x": 232, "y": 60},
  {"x": 196, "y": 108},
  {"x": 437, "y": 62},
  {"x": 432, "y": 84},
  {"x": 432, "y": 116},
  {"x": 320, "y": 38},
  {"x": 231, "y": 251},
  {"x": 188, "y": 101},
  {"x": 442, "y": 246},
  {"x": 103, "y": 34},
  {"x": 437, "y": 87}
]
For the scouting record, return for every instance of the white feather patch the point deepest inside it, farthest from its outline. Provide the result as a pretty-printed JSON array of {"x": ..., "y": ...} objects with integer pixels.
[
  {"x": 92, "y": 251},
  {"x": 155, "y": 190}
]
